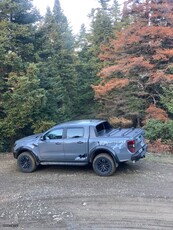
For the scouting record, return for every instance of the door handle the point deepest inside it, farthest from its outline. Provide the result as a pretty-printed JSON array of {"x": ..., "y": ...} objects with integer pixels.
[
  {"x": 57, "y": 143},
  {"x": 80, "y": 142}
]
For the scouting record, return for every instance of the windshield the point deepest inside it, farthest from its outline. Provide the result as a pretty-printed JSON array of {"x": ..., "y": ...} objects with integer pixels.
[{"x": 103, "y": 127}]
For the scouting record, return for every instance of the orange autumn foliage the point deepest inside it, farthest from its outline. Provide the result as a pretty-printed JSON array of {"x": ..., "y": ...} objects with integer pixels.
[
  {"x": 101, "y": 90},
  {"x": 156, "y": 113},
  {"x": 131, "y": 67},
  {"x": 135, "y": 52},
  {"x": 159, "y": 147},
  {"x": 140, "y": 55}
]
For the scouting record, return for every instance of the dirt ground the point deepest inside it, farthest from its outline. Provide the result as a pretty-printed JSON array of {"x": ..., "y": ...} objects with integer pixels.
[{"x": 137, "y": 196}]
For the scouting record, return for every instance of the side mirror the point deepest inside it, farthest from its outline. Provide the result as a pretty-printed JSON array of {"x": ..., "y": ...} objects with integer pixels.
[{"x": 42, "y": 138}]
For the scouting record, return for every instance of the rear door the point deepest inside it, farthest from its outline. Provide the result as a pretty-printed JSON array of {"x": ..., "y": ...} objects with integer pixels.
[{"x": 75, "y": 144}]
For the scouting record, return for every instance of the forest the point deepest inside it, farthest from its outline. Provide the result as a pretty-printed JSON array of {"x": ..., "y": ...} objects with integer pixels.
[{"x": 120, "y": 69}]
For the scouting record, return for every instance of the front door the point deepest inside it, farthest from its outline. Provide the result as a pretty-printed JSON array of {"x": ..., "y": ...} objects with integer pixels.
[
  {"x": 75, "y": 145},
  {"x": 51, "y": 148}
]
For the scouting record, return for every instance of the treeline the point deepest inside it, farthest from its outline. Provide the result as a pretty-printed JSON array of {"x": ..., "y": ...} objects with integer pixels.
[{"x": 121, "y": 69}]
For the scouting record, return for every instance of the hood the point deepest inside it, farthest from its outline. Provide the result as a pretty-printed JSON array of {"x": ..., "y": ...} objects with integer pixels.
[{"x": 32, "y": 138}]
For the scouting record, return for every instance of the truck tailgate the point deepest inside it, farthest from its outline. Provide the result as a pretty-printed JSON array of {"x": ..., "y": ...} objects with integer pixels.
[{"x": 130, "y": 134}]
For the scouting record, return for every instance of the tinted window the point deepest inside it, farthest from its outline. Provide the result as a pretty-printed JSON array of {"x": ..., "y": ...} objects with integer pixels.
[
  {"x": 103, "y": 127},
  {"x": 54, "y": 134},
  {"x": 75, "y": 132},
  {"x": 107, "y": 126},
  {"x": 100, "y": 128}
]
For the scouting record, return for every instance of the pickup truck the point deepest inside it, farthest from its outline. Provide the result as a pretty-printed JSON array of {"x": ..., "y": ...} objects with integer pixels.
[{"x": 81, "y": 142}]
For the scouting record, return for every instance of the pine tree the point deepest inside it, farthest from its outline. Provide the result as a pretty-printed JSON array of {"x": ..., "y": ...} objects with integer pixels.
[
  {"x": 85, "y": 78},
  {"x": 101, "y": 26},
  {"x": 18, "y": 75},
  {"x": 66, "y": 56},
  {"x": 103, "y": 20},
  {"x": 22, "y": 102},
  {"x": 63, "y": 26},
  {"x": 56, "y": 63}
]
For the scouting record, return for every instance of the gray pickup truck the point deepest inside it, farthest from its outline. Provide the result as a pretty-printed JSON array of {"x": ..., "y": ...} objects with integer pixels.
[{"x": 81, "y": 142}]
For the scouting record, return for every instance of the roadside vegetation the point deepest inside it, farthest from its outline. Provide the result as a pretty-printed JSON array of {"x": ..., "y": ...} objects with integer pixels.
[{"x": 121, "y": 69}]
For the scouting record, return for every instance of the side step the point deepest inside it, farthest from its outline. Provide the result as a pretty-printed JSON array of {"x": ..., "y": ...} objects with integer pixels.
[{"x": 64, "y": 163}]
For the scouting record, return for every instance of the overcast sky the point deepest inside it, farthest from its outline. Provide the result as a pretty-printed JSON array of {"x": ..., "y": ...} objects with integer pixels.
[{"x": 75, "y": 10}]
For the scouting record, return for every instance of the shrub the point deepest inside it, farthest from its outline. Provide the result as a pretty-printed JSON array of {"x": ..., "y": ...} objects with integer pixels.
[{"x": 156, "y": 129}]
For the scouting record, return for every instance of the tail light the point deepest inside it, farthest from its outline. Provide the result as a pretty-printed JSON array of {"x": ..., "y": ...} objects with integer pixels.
[{"x": 131, "y": 146}]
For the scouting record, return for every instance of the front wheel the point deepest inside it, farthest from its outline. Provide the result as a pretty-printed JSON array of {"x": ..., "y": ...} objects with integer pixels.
[
  {"x": 104, "y": 165},
  {"x": 26, "y": 162}
]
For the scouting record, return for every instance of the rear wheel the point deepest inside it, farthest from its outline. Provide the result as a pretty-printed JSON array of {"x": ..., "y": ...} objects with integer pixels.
[
  {"x": 26, "y": 162},
  {"x": 104, "y": 165}
]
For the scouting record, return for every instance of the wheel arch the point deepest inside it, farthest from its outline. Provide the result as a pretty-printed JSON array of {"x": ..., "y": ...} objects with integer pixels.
[
  {"x": 96, "y": 152},
  {"x": 23, "y": 149}
]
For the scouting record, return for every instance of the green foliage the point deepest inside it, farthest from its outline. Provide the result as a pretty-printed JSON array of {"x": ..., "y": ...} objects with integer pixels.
[
  {"x": 167, "y": 98},
  {"x": 41, "y": 126},
  {"x": 18, "y": 11},
  {"x": 104, "y": 3},
  {"x": 21, "y": 102},
  {"x": 101, "y": 28},
  {"x": 65, "y": 31},
  {"x": 21, "y": 96},
  {"x": 87, "y": 49},
  {"x": 56, "y": 62},
  {"x": 86, "y": 75},
  {"x": 159, "y": 130}
]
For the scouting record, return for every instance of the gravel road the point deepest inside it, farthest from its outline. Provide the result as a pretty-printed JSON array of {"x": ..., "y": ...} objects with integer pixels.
[{"x": 137, "y": 196}]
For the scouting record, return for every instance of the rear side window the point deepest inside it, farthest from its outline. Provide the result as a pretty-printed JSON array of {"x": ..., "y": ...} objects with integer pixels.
[
  {"x": 103, "y": 127},
  {"x": 75, "y": 132},
  {"x": 100, "y": 128}
]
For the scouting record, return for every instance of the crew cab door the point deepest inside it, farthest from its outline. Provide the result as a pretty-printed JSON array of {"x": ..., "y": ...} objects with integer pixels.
[
  {"x": 51, "y": 147},
  {"x": 75, "y": 145}
]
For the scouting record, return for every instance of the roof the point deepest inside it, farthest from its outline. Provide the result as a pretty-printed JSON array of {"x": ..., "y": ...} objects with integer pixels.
[{"x": 86, "y": 122}]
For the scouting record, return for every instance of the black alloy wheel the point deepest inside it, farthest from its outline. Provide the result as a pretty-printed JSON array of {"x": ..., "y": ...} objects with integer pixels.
[
  {"x": 26, "y": 162},
  {"x": 104, "y": 165}
]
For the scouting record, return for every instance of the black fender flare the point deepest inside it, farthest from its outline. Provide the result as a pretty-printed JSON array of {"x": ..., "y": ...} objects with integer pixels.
[
  {"x": 24, "y": 149},
  {"x": 102, "y": 149}
]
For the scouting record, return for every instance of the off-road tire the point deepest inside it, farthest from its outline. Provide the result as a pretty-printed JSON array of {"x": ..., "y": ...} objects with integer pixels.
[
  {"x": 103, "y": 165},
  {"x": 26, "y": 162}
]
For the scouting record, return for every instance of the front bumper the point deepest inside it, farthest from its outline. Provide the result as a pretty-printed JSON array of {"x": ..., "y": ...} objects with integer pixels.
[{"x": 140, "y": 153}]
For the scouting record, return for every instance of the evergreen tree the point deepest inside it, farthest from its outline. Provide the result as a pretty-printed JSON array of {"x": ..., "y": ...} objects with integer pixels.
[
  {"x": 18, "y": 75},
  {"x": 104, "y": 3},
  {"x": 63, "y": 26},
  {"x": 66, "y": 56},
  {"x": 56, "y": 64},
  {"x": 21, "y": 103},
  {"x": 85, "y": 78},
  {"x": 101, "y": 26},
  {"x": 103, "y": 20}
]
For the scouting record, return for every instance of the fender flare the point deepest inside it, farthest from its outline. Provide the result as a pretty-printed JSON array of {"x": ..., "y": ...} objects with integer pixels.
[
  {"x": 24, "y": 149},
  {"x": 103, "y": 149}
]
